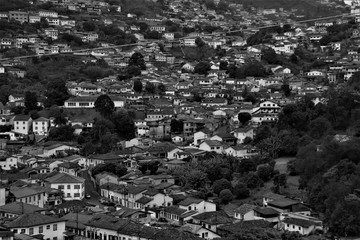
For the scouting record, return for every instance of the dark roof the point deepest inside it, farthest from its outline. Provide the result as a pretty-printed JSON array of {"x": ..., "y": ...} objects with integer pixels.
[
  {"x": 283, "y": 203},
  {"x": 144, "y": 200},
  {"x": 107, "y": 156},
  {"x": 266, "y": 211},
  {"x": 299, "y": 222},
  {"x": 20, "y": 208},
  {"x": 69, "y": 165},
  {"x": 213, "y": 143},
  {"x": 65, "y": 178},
  {"x": 213, "y": 218},
  {"x": 245, "y": 208},
  {"x": 175, "y": 210},
  {"x": 239, "y": 226},
  {"x": 190, "y": 200},
  {"x": 22, "y": 118},
  {"x": 32, "y": 219}
]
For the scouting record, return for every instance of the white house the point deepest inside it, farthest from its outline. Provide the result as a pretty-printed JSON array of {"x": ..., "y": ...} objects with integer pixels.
[
  {"x": 58, "y": 148},
  {"x": 22, "y": 124},
  {"x": 242, "y": 133},
  {"x": 200, "y": 136},
  {"x": 211, "y": 146},
  {"x": 73, "y": 187},
  {"x": 196, "y": 204},
  {"x": 153, "y": 198},
  {"x": 302, "y": 226},
  {"x": 9, "y": 163},
  {"x": 41, "y": 126},
  {"x": 177, "y": 139},
  {"x": 38, "y": 224},
  {"x": 200, "y": 231},
  {"x": 245, "y": 212},
  {"x": 242, "y": 151}
]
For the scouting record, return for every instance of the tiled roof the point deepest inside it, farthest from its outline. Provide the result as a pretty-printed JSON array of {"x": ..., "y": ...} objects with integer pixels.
[
  {"x": 65, "y": 178},
  {"x": 245, "y": 208},
  {"x": 32, "y": 219},
  {"x": 20, "y": 208},
  {"x": 189, "y": 201},
  {"x": 144, "y": 200},
  {"x": 299, "y": 222}
]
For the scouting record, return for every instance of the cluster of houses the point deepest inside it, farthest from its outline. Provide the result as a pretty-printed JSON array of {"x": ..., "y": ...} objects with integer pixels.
[{"x": 46, "y": 197}]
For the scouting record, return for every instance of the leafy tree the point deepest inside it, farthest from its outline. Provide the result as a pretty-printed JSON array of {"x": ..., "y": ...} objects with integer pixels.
[
  {"x": 244, "y": 117},
  {"x": 143, "y": 167},
  {"x": 138, "y": 86},
  {"x": 137, "y": 59},
  {"x": 270, "y": 56},
  {"x": 220, "y": 185},
  {"x": 294, "y": 59},
  {"x": 5, "y": 91},
  {"x": 223, "y": 65},
  {"x": 319, "y": 127},
  {"x": 241, "y": 191},
  {"x": 89, "y": 26},
  {"x": 150, "y": 88},
  {"x": 161, "y": 87},
  {"x": 62, "y": 133},
  {"x": 264, "y": 172},
  {"x": 30, "y": 101},
  {"x": 202, "y": 68},
  {"x": 247, "y": 165},
  {"x": 133, "y": 71},
  {"x": 56, "y": 93},
  {"x": 101, "y": 127},
  {"x": 226, "y": 196},
  {"x": 177, "y": 126},
  {"x": 199, "y": 42},
  {"x": 114, "y": 168},
  {"x": 153, "y": 166},
  {"x": 124, "y": 125},
  {"x": 280, "y": 181},
  {"x": 253, "y": 181},
  {"x": 104, "y": 105}
]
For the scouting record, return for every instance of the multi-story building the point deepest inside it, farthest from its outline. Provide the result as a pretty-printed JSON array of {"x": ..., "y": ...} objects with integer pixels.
[
  {"x": 19, "y": 16},
  {"x": 51, "y": 228},
  {"x": 41, "y": 126},
  {"x": 22, "y": 124},
  {"x": 73, "y": 187}
]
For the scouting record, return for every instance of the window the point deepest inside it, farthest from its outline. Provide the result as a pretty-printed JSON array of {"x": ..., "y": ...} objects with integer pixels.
[
  {"x": 41, "y": 229},
  {"x": 77, "y": 187},
  {"x": 76, "y": 194},
  {"x": 31, "y": 231},
  {"x": 54, "y": 227},
  {"x": 23, "y": 230},
  {"x": 15, "y": 230},
  {"x": 47, "y": 227},
  {"x": 68, "y": 195},
  {"x": 68, "y": 186},
  {"x": 61, "y": 187},
  {"x": 54, "y": 238}
]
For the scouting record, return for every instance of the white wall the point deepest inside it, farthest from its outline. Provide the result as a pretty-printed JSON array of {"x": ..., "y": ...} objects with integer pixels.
[{"x": 50, "y": 233}]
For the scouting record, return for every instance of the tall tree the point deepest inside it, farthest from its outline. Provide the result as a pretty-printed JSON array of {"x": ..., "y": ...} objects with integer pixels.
[
  {"x": 104, "y": 105},
  {"x": 30, "y": 101},
  {"x": 124, "y": 125},
  {"x": 244, "y": 117},
  {"x": 150, "y": 88},
  {"x": 138, "y": 86},
  {"x": 137, "y": 59}
]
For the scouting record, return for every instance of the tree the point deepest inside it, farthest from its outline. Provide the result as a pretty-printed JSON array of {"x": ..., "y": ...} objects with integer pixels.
[
  {"x": 30, "y": 101},
  {"x": 62, "y": 133},
  {"x": 114, "y": 168},
  {"x": 270, "y": 56},
  {"x": 137, "y": 59},
  {"x": 226, "y": 196},
  {"x": 294, "y": 59},
  {"x": 247, "y": 165},
  {"x": 133, "y": 71},
  {"x": 56, "y": 93},
  {"x": 153, "y": 166},
  {"x": 161, "y": 88},
  {"x": 199, "y": 42},
  {"x": 177, "y": 126},
  {"x": 124, "y": 125},
  {"x": 138, "y": 86},
  {"x": 241, "y": 191},
  {"x": 319, "y": 127},
  {"x": 104, "y": 105},
  {"x": 220, "y": 185},
  {"x": 286, "y": 89},
  {"x": 150, "y": 88},
  {"x": 264, "y": 172},
  {"x": 280, "y": 181},
  {"x": 253, "y": 181},
  {"x": 202, "y": 68},
  {"x": 143, "y": 167},
  {"x": 244, "y": 117}
]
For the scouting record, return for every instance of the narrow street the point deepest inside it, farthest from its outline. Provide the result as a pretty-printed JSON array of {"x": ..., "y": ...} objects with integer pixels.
[{"x": 90, "y": 188}]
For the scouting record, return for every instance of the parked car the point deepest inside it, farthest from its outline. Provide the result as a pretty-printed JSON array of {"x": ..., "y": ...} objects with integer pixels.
[{"x": 87, "y": 196}]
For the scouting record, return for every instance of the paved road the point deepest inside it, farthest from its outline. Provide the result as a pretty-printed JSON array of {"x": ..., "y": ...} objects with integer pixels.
[{"x": 90, "y": 188}]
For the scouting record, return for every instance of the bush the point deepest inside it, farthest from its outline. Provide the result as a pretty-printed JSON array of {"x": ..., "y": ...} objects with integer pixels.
[
  {"x": 226, "y": 196},
  {"x": 241, "y": 191}
]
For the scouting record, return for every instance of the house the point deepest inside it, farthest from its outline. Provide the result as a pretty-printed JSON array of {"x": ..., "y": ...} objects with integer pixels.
[
  {"x": 241, "y": 151},
  {"x": 226, "y": 138},
  {"x": 69, "y": 168},
  {"x": 58, "y": 148},
  {"x": 40, "y": 126},
  {"x": 94, "y": 160},
  {"x": 212, "y": 145},
  {"x": 211, "y": 102},
  {"x": 242, "y": 133},
  {"x": 302, "y": 226},
  {"x": 73, "y": 187},
  {"x": 152, "y": 198},
  {"x": 105, "y": 177},
  {"x": 16, "y": 209},
  {"x": 8, "y": 163},
  {"x": 200, "y": 136},
  {"x": 245, "y": 212},
  {"x": 212, "y": 220},
  {"x": 22, "y": 124},
  {"x": 266, "y": 213},
  {"x": 196, "y": 204},
  {"x": 269, "y": 107},
  {"x": 35, "y": 223},
  {"x": 199, "y": 230},
  {"x": 177, "y": 139}
]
